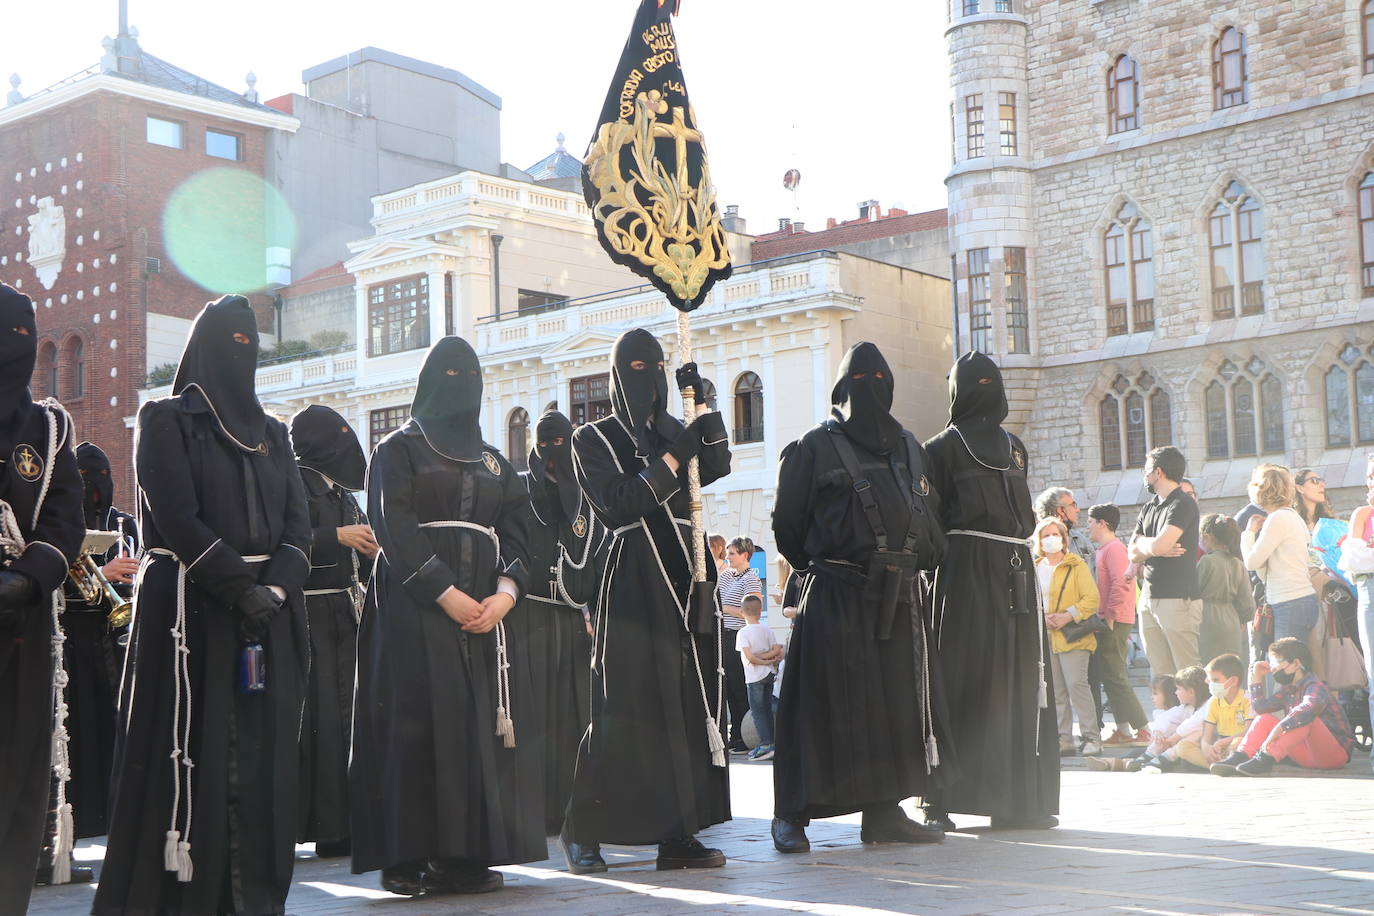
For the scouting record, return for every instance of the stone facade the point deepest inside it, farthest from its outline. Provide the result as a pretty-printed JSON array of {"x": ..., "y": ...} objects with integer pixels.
[{"x": 1298, "y": 146}]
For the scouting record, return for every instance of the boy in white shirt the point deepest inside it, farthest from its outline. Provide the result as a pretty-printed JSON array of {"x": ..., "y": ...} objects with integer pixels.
[{"x": 760, "y": 652}]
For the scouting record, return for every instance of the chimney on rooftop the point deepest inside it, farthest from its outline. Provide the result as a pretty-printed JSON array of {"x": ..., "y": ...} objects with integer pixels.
[
  {"x": 784, "y": 224},
  {"x": 732, "y": 221},
  {"x": 798, "y": 227},
  {"x": 869, "y": 210}
]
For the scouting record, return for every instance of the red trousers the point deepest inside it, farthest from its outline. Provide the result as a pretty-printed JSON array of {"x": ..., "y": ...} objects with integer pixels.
[{"x": 1311, "y": 745}]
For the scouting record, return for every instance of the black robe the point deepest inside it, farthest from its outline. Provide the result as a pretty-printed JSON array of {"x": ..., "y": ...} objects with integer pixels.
[
  {"x": 429, "y": 777},
  {"x": 644, "y": 769},
  {"x": 94, "y": 660},
  {"x": 210, "y": 504},
  {"x": 327, "y": 727},
  {"x": 566, "y": 558},
  {"x": 853, "y": 720},
  {"x": 1006, "y": 746},
  {"x": 26, "y": 664}
]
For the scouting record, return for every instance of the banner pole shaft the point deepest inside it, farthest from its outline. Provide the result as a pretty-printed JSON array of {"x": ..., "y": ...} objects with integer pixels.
[{"x": 689, "y": 412}]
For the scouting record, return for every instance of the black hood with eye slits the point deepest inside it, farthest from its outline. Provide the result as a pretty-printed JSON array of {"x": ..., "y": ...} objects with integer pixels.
[
  {"x": 224, "y": 371},
  {"x": 448, "y": 400},
  {"x": 863, "y": 406},
  {"x": 18, "y": 352},
  {"x": 639, "y": 397}
]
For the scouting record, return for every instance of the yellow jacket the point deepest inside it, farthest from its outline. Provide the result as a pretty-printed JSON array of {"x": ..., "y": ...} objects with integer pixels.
[{"x": 1072, "y": 589}]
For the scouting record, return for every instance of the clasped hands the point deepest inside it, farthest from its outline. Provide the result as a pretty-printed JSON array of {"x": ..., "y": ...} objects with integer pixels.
[{"x": 472, "y": 615}]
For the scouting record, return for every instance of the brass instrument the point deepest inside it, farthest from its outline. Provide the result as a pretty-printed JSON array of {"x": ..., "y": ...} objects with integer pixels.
[{"x": 90, "y": 582}]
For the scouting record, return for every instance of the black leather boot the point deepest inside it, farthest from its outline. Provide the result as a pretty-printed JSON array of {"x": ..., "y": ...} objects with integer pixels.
[
  {"x": 1259, "y": 765},
  {"x": 937, "y": 818},
  {"x": 406, "y": 880},
  {"x": 582, "y": 858},
  {"x": 1227, "y": 767},
  {"x": 687, "y": 852},
  {"x": 789, "y": 837},
  {"x": 460, "y": 876},
  {"x": 891, "y": 825}
]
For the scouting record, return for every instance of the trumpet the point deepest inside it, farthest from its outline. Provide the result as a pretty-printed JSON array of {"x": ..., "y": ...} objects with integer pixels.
[{"x": 87, "y": 578}]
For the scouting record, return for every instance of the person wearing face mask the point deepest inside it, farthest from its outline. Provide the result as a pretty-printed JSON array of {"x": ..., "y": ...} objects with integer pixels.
[
  {"x": 1226, "y": 717},
  {"x": 441, "y": 784},
  {"x": 651, "y": 767},
  {"x": 40, "y": 537},
  {"x": 856, "y": 727},
  {"x": 203, "y": 817},
  {"x": 1301, "y": 722},
  {"x": 93, "y": 659},
  {"x": 567, "y": 550},
  {"x": 333, "y": 467},
  {"x": 1068, "y": 595},
  {"x": 992, "y": 647},
  {"x": 1165, "y": 542}
]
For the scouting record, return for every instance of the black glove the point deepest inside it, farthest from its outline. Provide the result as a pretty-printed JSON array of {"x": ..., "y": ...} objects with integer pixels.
[
  {"x": 688, "y": 443},
  {"x": 257, "y": 608},
  {"x": 690, "y": 377},
  {"x": 18, "y": 593}
]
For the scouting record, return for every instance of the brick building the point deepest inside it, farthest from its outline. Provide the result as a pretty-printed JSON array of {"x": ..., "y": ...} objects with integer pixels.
[
  {"x": 89, "y": 167},
  {"x": 1163, "y": 219},
  {"x": 917, "y": 241}
]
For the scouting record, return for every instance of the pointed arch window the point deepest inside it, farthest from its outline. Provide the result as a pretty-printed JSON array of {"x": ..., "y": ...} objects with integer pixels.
[
  {"x": 1134, "y": 417},
  {"x": 1366, "y": 225},
  {"x": 518, "y": 439},
  {"x": 1129, "y": 281},
  {"x": 46, "y": 373},
  {"x": 1244, "y": 411},
  {"x": 75, "y": 359},
  {"x": 1349, "y": 390},
  {"x": 1229, "y": 76},
  {"x": 1237, "y": 251},
  {"x": 748, "y": 408},
  {"x": 1123, "y": 96}
]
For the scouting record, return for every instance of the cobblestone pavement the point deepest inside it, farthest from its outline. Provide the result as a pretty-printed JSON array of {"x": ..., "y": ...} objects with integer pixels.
[{"x": 1128, "y": 843}]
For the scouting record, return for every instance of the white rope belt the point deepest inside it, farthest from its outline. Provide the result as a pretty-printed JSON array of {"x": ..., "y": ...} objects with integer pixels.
[
  {"x": 505, "y": 713},
  {"x": 640, "y": 524},
  {"x": 988, "y": 536},
  {"x": 176, "y": 850},
  {"x": 310, "y": 592},
  {"x": 542, "y": 600}
]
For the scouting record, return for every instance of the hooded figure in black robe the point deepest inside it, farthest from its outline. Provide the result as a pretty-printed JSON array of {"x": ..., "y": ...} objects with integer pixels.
[
  {"x": 855, "y": 728},
  {"x": 94, "y": 658},
  {"x": 651, "y": 767},
  {"x": 204, "y": 813},
  {"x": 567, "y": 547},
  {"x": 333, "y": 467},
  {"x": 440, "y": 786},
  {"x": 41, "y": 487},
  {"x": 990, "y": 639}
]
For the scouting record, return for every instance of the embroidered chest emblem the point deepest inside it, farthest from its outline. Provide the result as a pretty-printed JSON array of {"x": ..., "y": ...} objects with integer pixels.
[
  {"x": 923, "y": 487},
  {"x": 580, "y": 526},
  {"x": 492, "y": 464},
  {"x": 27, "y": 462},
  {"x": 1018, "y": 458}
]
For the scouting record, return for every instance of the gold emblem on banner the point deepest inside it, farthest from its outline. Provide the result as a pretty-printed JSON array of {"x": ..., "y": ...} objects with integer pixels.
[
  {"x": 647, "y": 214},
  {"x": 580, "y": 526},
  {"x": 27, "y": 463},
  {"x": 492, "y": 464}
]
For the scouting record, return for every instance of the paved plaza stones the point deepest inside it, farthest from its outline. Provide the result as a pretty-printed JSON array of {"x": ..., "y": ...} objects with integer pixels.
[{"x": 1129, "y": 843}]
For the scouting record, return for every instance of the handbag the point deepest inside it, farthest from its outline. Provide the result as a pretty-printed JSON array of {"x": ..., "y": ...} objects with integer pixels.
[
  {"x": 1080, "y": 629},
  {"x": 1345, "y": 668}
]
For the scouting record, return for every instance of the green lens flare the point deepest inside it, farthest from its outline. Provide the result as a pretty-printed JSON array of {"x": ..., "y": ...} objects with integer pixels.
[{"x": 229, "y": 231}]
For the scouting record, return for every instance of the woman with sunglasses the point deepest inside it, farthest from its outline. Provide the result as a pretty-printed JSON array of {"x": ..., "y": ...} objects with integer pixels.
[{"x": 1311, "y": 497}]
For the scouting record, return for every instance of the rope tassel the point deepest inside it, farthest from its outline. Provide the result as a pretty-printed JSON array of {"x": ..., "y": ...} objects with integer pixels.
[
  {"x": 505, "y": 724},
  {"x": 715, "y": 741}
]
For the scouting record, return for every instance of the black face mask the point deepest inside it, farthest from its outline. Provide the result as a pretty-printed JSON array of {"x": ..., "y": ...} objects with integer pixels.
[
  {"x": 1284, "y": 678},
  {"x": 977, "y": 407},
  {"x": 863, "y": 405},
  {"x": 324, "y": 442},
  {"x": 545, "y": 454},
  {"x": 448, "y": 400},
  {"x": 95, "y": 478},
  {"x": 639, "y": 397},
  {"x": 18, "y": 353},
  {"x": 223, "y": 370}
]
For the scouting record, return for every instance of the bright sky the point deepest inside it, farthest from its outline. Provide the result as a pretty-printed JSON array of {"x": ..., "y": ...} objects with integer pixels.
[{"x": 854, "y": 94}]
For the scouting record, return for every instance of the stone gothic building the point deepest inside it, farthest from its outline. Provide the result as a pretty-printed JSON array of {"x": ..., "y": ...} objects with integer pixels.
[{"x": 1162, "y": 216}]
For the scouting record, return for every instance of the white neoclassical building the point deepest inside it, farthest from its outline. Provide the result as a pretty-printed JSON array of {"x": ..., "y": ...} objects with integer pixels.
[
  {"x": 515, "y": 268},
  {"x": 1162, "y": 216}
]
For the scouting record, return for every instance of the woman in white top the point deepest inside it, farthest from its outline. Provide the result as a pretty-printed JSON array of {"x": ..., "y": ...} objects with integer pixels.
[{"x": 1276, "y": 547}]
